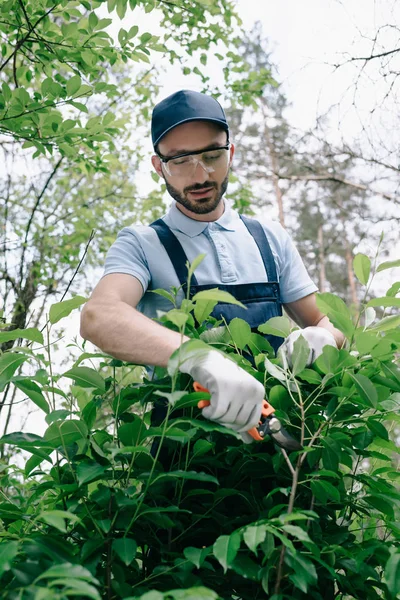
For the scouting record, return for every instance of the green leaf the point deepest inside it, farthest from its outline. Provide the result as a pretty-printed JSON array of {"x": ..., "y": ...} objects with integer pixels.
[
  {"x": 33, "y": 391},
  {"x": 32, "y": 334},
  {"x": 86, "y": 378},
  {"x": 298, "y": 532},
  {"x": 279, "y": 326},
  {"x": 68, "y": 570},
  {"x": 125, "y": 548},
  {"x": 10, "y": 512},
  {"x": 365, "y": 388},
  {"x": 394, "y": 289},
  {"x": 21, "y": 439},
  {"x": 240, "y": 332},
  {"x": 383, "y": 505},
  {"x": 388, "y": 265},
  {"x": 386, "y": 324},
  {"x": 177, "y": 317},
  {"x": 310, "y": 376},
  {"x": 9, "y": 363},
  {"x": 8, "y": 551},
  {"x": 58, "y": 518},
  {"x": 392, "y": 404},
  {"x": 93, "y": 20},
  {"x": 64, "y": 433},
  {"x": 385, "y": 301},
  {"x": 337, "y": 311},
  {"x": 62, "y": 309},
  {"x": 196, "y": 556},
  {"x": 254, "y": 536},
  {"x": 324, "y": 491},
  {"x": 392, "y": 574},
  {"x": 203, "y": 309},
  {"x": 362, "y": 268},
  {"x": 73, "y": 85},
  {"x": 275, "y": 370},
  {"x": 225, "y": 549},
  {"x": 180, "y": 474},
  {"x": 130, "y": 434},
  {"x": 218, "y": 295},
  {"x": 89, "y": 470},
  {"x": 301, "y": 353},
  {"x": 199, "y": 259},
  {"x": 165, "y": 294},
  {"x": 304, "y": 573}
]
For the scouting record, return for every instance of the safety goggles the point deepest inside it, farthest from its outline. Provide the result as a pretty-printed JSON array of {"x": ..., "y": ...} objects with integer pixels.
[{"x": 183, "y": 165}]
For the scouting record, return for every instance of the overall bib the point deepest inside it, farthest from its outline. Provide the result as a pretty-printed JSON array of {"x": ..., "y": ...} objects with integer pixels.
[{"x": 261, "y": 299}]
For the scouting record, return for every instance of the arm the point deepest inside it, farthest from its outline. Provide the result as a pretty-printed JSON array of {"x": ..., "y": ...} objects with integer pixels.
[
  {"x": 306, "y": 314},
  {"x": 110, "y": 320}
]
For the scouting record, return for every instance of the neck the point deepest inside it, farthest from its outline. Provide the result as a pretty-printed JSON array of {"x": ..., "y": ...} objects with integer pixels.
[{"x": 207, "y": 217}]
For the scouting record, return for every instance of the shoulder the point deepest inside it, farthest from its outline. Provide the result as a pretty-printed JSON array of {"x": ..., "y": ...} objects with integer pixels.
[{"x": 278, "y": 238}]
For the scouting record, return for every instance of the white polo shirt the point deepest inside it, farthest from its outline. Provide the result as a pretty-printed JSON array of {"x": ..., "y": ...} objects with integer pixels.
[{"x": 232, "y": 257}]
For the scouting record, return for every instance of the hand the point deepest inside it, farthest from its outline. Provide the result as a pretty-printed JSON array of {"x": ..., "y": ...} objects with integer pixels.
[
  {"x": 316, "y": 337},
  {"x": 236, "y": 397}
]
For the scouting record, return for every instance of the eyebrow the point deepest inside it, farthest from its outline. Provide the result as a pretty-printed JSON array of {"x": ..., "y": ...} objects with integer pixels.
[{"x": 176, "y": 151}]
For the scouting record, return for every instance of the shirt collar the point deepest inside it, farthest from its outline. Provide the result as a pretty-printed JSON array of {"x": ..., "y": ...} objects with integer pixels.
[{"x": 190, "y": 227}]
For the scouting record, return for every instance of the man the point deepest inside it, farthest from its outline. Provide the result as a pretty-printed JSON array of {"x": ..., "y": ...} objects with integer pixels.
[{"x": 257, "y": 264}]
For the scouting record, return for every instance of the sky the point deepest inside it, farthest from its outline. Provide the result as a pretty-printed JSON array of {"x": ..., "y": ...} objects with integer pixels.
[{"x": 308, "y": 38}]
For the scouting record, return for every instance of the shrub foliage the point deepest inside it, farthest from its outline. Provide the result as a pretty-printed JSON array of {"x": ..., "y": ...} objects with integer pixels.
[{"x": 111, "y": 504}]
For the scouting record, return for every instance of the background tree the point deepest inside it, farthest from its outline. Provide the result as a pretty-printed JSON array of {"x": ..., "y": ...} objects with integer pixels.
[{"x": 325, "y": 196}]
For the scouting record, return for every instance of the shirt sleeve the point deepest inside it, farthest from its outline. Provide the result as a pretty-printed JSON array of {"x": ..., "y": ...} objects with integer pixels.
[
  {"x": 294, "y": 281},
  {"x": 126, "y": 256}
]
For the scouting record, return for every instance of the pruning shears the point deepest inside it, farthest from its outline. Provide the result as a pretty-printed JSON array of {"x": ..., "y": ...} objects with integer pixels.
[{"x": 268, "y": 425}]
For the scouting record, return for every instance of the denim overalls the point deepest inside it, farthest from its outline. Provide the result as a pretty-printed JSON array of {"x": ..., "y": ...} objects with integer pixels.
[{"x": 262, "y": 300}]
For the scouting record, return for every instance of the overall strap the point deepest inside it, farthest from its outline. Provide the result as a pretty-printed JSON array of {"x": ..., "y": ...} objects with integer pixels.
[
  {"x": 257, "y": 231},
  {"x": 174, "y": 250}
]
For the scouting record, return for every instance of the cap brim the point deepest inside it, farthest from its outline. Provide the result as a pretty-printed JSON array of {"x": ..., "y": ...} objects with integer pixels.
[{"x": 223, "y": 124}]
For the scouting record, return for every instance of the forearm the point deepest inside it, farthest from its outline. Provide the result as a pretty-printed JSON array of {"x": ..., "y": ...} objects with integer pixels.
[
  {"x": 338, "y": 335},
  {"x": 125, "y": 333}
]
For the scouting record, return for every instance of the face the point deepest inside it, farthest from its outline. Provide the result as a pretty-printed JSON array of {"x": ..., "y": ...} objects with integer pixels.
[{"x": 198, "y": 192}]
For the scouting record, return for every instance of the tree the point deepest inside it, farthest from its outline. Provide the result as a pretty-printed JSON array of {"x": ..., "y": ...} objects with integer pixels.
[{"x": 321, "y": 193}]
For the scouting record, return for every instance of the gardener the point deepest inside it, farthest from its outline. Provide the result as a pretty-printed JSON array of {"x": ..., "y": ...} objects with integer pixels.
[{"x": 257, "y": 264}]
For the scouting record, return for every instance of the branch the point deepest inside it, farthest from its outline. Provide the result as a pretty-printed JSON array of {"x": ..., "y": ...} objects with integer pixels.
[
  {"x": 367, "y": 58},
  {"x": 336, "y": 179},
  {"x": 23, "y": 40},
  {"x": 79, "y": 264},
  {"x": 33, "y": 214}
]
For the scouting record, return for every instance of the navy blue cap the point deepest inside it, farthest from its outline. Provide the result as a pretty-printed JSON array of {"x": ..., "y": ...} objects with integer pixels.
[{"x": 184, "y": 106}]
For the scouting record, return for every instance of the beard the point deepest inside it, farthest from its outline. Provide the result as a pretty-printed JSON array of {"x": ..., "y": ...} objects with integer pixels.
[{"x": 199, "y": 208}]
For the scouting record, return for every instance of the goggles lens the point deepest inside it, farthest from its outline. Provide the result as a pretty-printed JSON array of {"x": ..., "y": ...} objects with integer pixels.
[{"x": 185, "y": 165}]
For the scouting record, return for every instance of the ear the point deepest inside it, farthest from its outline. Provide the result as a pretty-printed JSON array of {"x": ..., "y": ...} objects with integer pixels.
[
  {"x": 231, "y": 153},
  {"x": 156, "y": 162}
]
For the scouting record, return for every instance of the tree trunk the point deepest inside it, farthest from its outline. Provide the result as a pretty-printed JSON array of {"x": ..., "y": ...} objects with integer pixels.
[
  {"x": 350, "y": 272},
  {"x": 321, "y": 260},
  {"x": 274, "y": 164}
]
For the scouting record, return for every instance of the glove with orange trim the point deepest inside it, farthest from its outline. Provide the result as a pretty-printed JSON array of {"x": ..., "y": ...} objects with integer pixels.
[
  {"x": 316, "y": 337},
  {"x": 236, "y": 396}
]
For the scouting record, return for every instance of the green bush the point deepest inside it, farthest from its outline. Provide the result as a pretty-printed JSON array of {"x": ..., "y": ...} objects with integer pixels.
[{"x": 95, "y": 515}]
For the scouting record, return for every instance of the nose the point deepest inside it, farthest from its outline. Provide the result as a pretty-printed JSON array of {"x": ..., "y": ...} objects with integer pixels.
[{"x": 201, "y": 173}]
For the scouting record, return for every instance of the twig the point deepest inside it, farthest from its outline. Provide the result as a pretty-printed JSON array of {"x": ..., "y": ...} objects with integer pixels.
[
  {"x": 23, "y": 40},
  {"x": 28, "y": 227}
]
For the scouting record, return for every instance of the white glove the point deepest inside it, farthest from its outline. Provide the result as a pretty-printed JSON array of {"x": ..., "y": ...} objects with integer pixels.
[
  {"x": 236, "y": 397},
  {"x": 316, "y": 337}
]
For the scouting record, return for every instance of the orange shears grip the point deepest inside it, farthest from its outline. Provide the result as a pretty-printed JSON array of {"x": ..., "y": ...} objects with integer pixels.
[
  {"x": 200, "y": 388},
  {"x": 266, "y": 411}
]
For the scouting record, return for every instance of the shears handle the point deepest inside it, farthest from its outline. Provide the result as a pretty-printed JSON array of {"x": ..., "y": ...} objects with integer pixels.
[{"x": 266, "y": 411}]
